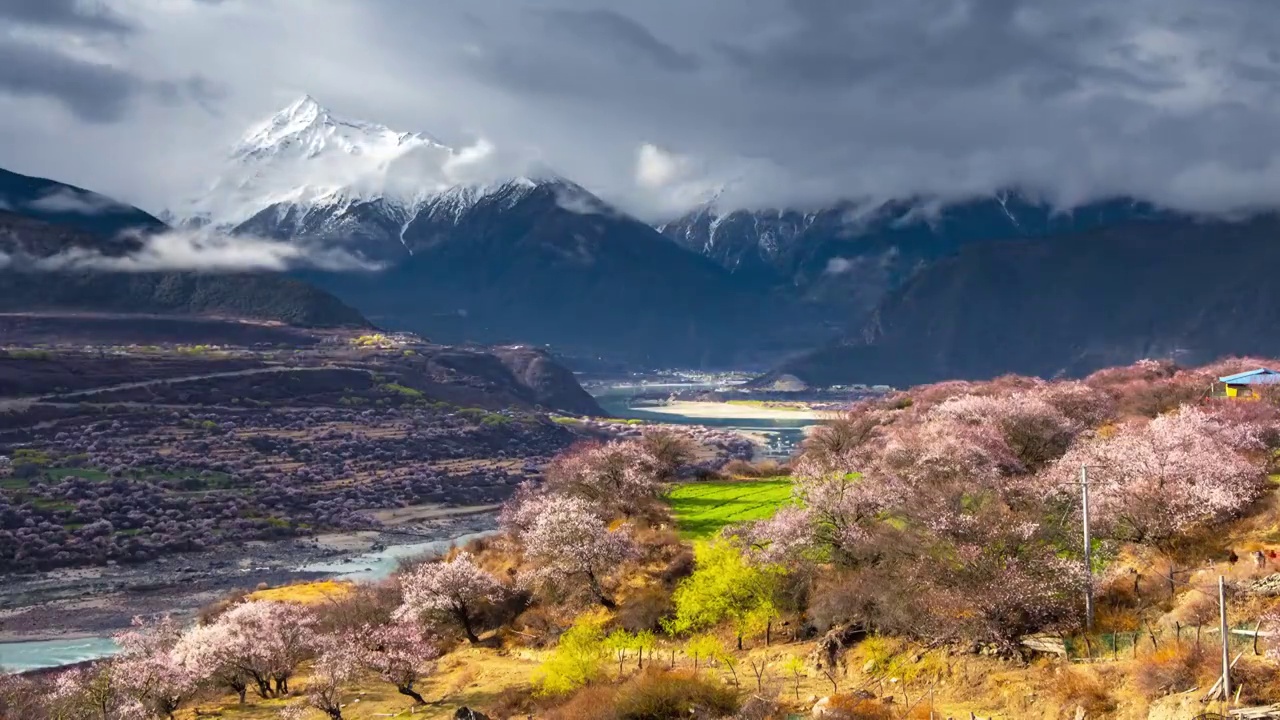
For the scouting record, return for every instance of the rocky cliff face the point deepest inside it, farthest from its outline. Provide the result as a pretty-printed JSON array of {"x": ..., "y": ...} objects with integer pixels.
[{"x": 553, "y": 385}]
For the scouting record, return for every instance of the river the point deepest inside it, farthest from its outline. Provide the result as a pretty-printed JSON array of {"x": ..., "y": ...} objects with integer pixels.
[
  {"x": 782, "y": 436},
  {"x": 37, "y": 654}
]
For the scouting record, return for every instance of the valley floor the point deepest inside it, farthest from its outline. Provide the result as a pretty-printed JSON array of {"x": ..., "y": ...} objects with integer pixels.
[{"x": 733, "y": 411}]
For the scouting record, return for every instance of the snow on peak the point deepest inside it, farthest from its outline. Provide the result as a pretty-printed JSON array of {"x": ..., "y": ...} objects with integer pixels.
[
  {"x": 307, "y": 128},
  {"x": 306, "y": 155}
]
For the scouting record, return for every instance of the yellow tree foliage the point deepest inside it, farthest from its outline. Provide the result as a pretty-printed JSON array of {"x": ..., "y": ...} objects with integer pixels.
[
  {"x": 725, "y": 587},
  {"x": 578, "y": 659}
]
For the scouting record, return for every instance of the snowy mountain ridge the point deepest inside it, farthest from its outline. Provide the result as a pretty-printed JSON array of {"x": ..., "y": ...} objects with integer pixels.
[{"x": 308, "y": 168}]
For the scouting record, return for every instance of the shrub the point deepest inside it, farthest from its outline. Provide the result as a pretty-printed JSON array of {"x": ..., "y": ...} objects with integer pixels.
[
  {"x": 1259, "y": 680},
  {"x": 512, "y": 702},
  {"x": 538, "y": 621},
  {"x": 1079, "y": 687},
  {"x": 645, "y": 609},
  {"x": 680, "y": 567},
  {"x": 578, "y": 659},
  {"x": 1172, "y": 669},
  {"x": 758, "y": 469},
  {"x": 667, "y": 695},
  {"x": 591, "y": 703},
  {"x": 851, "y": 707},
  {"x": 214, "y": 610}
]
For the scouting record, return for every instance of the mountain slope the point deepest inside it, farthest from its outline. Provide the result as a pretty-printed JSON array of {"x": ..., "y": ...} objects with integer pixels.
[
  {"x": 73, "y": 207},
  {"x": 1071, "y": 304},
  {"x": 471, "y": 256},
  {"x": 520, "y": 267},
  {"x": 845, "y": 258},
  {"x": 28, "y": 242}
]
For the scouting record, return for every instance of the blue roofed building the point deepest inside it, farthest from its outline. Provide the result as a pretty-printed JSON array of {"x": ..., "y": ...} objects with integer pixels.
[{"x": 1247, "y": 384}]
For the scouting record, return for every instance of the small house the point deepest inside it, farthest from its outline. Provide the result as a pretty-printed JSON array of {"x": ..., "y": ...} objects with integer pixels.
[{"x": 1247, "y": 384}]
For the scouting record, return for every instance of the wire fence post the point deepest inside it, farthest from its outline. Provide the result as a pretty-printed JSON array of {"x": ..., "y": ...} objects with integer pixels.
[
  {"x": 1088, "y": 550},
  {"x": 1226, "y": 653}
]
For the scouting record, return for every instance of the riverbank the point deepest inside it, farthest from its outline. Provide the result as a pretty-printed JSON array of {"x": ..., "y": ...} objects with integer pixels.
[
  {"x": 86, "y": 603},
  {"x": 735, "y": 411}
]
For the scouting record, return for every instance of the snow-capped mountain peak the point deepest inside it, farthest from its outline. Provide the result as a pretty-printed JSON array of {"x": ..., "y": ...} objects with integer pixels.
[
  {"x": 308, "y": 175},
  {"x": 306, "y": 158},
  {"x": 309, "y": 129}
]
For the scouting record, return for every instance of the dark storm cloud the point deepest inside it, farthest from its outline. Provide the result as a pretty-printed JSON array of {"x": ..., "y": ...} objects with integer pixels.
[
  {"x": 607, "y": 30},
  {"x": 41, "y": 56},
  {"x": 95, "y": 93},
  {"x": 920, "y": 46},
  {"x": 197, "y": 89},
  {"x": 778, "y": 102},
  {"x": 81, "y": 15}
]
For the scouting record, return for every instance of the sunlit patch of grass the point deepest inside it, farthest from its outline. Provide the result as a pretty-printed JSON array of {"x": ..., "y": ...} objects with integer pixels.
[{"x": 701, "y": 509}]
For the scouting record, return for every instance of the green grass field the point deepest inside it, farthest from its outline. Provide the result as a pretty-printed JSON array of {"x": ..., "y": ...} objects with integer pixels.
[{"x": 702, "y": 508}]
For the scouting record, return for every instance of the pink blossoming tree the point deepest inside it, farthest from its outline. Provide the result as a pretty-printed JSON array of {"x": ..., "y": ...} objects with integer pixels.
[
  {"x": 217, "y": 654},
  {"x": 149, "y": 672},
  {"x": 1154, "y": 480},
  {"x": 619, "y": 474},
  {"x": 568, "y": 542},
  {"x": 398, "y": 653},
  {"x": 448, "y": 591},
  {"x": 270, "y": 639}
]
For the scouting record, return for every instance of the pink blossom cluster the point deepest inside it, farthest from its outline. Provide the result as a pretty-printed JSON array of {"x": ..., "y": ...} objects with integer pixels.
[
  {"x": 1151, "y": 481},
  {"x": 619, "y": 474}
]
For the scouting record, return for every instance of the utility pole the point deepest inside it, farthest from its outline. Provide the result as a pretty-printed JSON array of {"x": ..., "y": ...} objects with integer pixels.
[
  {"x": 1088, "y": 550},
  {"x": 1226, "y": 655}
]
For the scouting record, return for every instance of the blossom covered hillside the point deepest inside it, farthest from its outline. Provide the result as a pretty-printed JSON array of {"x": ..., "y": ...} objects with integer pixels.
[{"x": 931, "y": 547}]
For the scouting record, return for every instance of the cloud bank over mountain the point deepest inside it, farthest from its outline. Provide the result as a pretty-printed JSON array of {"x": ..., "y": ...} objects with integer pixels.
[
  {"x": 657, "y": 105},
  {"x": 202, "y": 250}
]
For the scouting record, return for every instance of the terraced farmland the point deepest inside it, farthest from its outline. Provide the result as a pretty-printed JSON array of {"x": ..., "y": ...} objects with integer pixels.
[{"x": 702, "y": 508}]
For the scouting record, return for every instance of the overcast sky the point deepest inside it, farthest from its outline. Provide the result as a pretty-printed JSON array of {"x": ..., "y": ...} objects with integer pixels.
[{"x": 788, "y": 102}]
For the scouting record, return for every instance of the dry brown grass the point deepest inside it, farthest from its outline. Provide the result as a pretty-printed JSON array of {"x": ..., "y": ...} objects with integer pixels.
[
  {"x": 652, "y": 695},
  {"x": 847, "y": 707},
  {"x": 1172, "y": 669},
  {"x": 1258, "y": 680},
  {"x": 1082, "y": 687},
  {"x": 590, "y": 703}
]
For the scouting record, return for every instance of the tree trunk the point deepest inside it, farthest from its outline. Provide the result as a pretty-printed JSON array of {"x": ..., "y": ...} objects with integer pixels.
[
  {"x": 464, "y": 619},
  {"x": 409, "y": 691},
  {"x": 596, "y": 590},
  {"x": 739, "y": 642}
]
